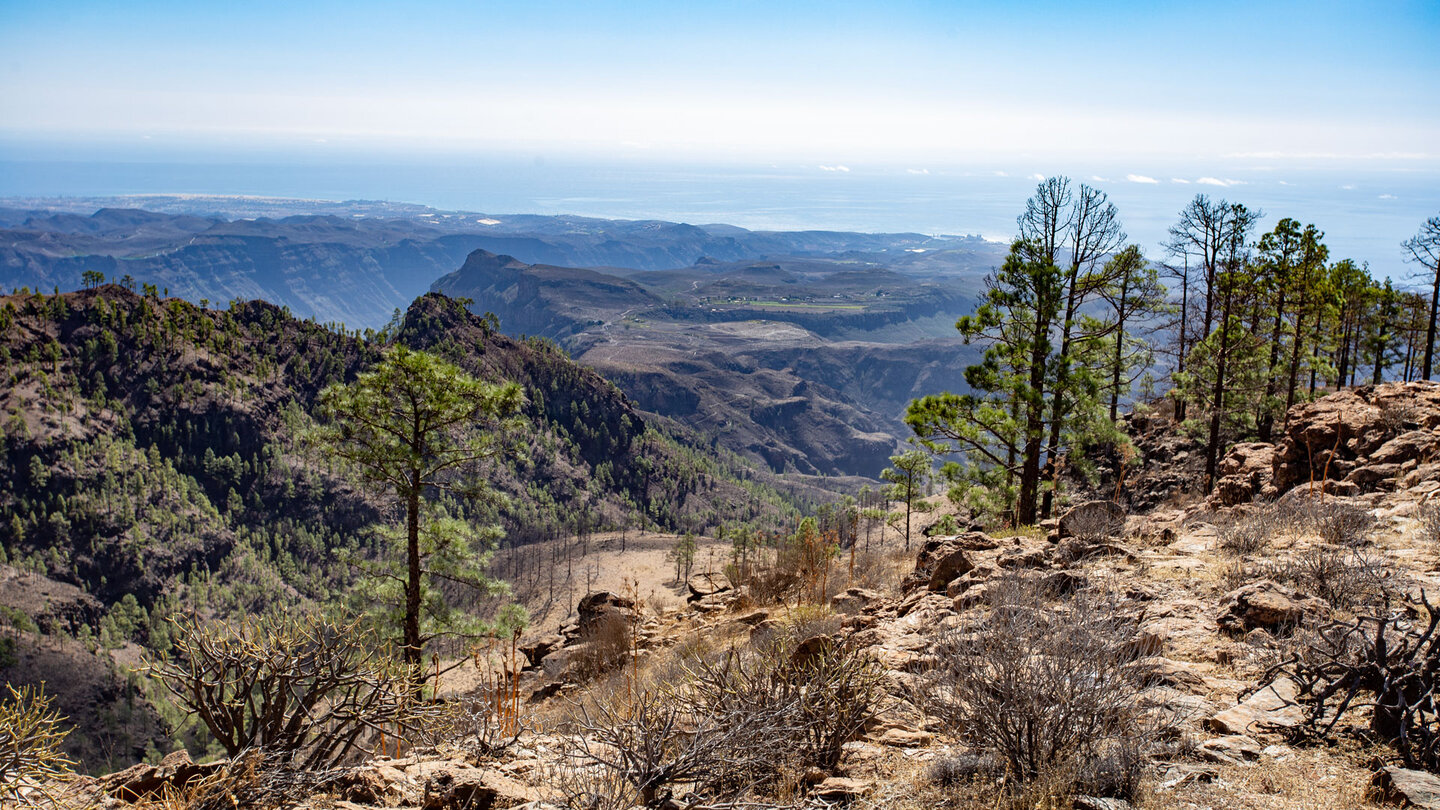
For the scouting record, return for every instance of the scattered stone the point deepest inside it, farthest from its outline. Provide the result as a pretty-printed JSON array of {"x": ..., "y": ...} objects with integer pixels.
[
  {"x": 1172, "y": 674},
  {"x": 975, "y": 541},
  {"x": 1409, "y": 787},
  {"x": 1235, "y": 749},
  {"x": 465, "y": 788},
  {"x": 754, "y": 618},
  {"x": 143, "y": 781},
  {"x": 1273, "y": 707},
  {"x": 1097, "y": 803},
  {"x": 905, "y": 738},
  {"x": 842, "y": 789}
]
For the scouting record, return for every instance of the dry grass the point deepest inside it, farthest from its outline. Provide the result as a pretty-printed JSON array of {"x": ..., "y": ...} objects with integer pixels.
[{"x": 1304, "y": 779}]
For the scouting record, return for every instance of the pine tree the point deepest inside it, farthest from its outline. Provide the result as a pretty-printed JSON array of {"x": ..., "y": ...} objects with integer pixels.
[{"x": 411, "y": 424}]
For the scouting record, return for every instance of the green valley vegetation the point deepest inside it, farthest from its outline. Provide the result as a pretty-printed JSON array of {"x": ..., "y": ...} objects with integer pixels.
[{"x": 162, "y": 459}]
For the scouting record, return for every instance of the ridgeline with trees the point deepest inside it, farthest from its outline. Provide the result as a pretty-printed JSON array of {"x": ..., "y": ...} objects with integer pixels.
[{"x": 1076, "y": 322}]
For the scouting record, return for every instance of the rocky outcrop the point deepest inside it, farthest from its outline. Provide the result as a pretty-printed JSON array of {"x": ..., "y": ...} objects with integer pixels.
[
  {"x": 1247, "y": 471},
  {"x": 145, "y": 781},
  {"x": 941, "y": 559},
  {"x": 1362, "y": 439},
  {"x": 1368, "y": 439}
]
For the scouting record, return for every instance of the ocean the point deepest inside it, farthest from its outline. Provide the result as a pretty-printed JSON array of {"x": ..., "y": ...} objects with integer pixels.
[{"x": 1366, "y": 208}]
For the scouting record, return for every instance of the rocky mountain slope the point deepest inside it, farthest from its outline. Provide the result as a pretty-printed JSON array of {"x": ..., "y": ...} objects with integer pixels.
[
  {"x": 1215, "y": 604},
  {"x": 155, "y": 460},
  {"x": 794, "y": 363}
]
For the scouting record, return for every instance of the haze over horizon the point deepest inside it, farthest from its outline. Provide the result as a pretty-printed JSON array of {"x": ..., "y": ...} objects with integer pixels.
[
  {"x": 925, "y": 116},
  {"x": 827, "y": 82}
]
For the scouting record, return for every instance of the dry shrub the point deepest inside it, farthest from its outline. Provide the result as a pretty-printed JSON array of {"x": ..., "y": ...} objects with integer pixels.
[
  {"x": 1398, "y": 417},
  {"x": 1092, "y": 525},
  {"x": 303, "y": 690},
  {"x": 1233, "y": 574},
  {"x": 1338, "y": 523},
  {"x": 723, "y": 725},
  {"x": 963, "y": 768},
  {"x": 1346, "y": 578},
  {"x": 765, "y": 583},
  {"x": 256, "y": 779},
  {"x": 475, "y": 726},
  {"x": 802, "y": 622},
  {"x": 1428, "y": 522},
  {"x": 879, "y": 570},
  {"x": 606, "y": 645},
  {"x": 1247, "y": 535},
  {"x": 1056, "y": 693},
  {"x": 629, "y": 746},
  {"x": 30, "y": 758}
]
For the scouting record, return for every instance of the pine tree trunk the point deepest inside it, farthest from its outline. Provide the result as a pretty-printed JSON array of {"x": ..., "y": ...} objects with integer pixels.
[
  {"x": 1430, "y": 330},
  {"x": 1217, "y": 404},
  {"x": 413, "y": 654}
]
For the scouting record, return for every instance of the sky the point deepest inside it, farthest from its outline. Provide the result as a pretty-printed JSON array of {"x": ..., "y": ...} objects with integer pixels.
[{"x": 834, "y": 83}]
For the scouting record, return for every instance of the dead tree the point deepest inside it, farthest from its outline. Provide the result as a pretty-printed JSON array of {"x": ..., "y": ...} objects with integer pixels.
[{"x": 1389, "y": 664}]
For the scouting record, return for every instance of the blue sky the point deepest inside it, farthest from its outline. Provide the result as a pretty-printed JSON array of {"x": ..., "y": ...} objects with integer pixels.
[{"x": 830, "y": 82}]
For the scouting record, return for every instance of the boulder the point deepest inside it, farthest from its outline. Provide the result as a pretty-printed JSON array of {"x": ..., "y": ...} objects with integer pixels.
[
  {"x": 706, "y": 584},
  {"x": 1408, "y": 788},
  {"x": 937, "y": 549},
  {"x": 947, "y": 568},
  {"x": 1265, "y": 605},
  {"x": 1272, "y": 708},
  {"x": 978, "y": 595},
  {"x": 536, "y": 650},
  {"x": 597, "y": 605},
  {"x": 853, "y": 600},
  {"x": 1024, "y": 558},
  {"x": 960, "y": 585},
  {"x": 811, "y": 649},
  {"x": 1093, "y": 520}
]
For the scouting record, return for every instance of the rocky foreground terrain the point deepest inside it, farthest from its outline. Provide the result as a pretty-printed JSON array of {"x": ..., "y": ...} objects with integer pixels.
[{"x": 1216, "y": 599}]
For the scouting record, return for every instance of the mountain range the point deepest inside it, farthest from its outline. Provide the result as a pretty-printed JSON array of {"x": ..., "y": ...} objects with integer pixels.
[{"x": 797, "y": 350}]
